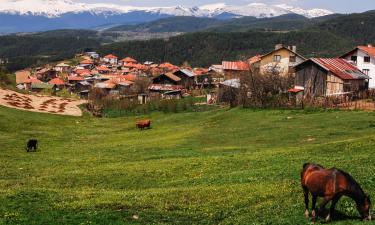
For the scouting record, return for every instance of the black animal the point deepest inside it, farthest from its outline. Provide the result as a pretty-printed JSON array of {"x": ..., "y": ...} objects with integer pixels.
[{"x": 32, "y": 145}]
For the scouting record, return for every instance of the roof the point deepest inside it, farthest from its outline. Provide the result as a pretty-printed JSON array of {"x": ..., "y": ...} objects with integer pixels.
[
  {"x": 170, "y": 76},
  {"x": 85, "y": 83},
  {"x": 22, "y": 76},
  {"x": 56, "y": 81},
  {"x": 370, "y": 50},
  {"x": 130, "y": 77},
  {"x": 164, "y": 87},
  {"x": 107, "y": 85},
  {"x": 129, "y": 60},
  {"x": 282, "y": 48},
  {"x": 187, "y": 72},
  {"x": 238, "y": 66},
  {"x": 32, "y": 80},
  {"x": 110, "y": 56},
  {"x": 42, "y": 86},
  {"x": 339, "y": 67},
  {"x": 62, "y": 65},
  {"x": 87, "y": 61},
  {"x": 75, "y": 78},
  {"x": 102, "y": 68},
  {"x": 254, "y": 59},
  {"x": 168, "y": 65}
]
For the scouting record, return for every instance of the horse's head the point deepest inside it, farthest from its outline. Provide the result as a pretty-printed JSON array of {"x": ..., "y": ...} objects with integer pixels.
[{"x": 364, "y": 208}]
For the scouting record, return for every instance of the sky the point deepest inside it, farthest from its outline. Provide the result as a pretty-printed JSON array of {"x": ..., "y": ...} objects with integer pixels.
[{"x": 339, "y": 6}]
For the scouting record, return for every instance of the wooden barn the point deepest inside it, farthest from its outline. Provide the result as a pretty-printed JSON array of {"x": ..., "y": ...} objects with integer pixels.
[
  {"x": 234, "y": 70},
  {"x": 167, "y": 78},
  {"x": 328, "y": 77}
]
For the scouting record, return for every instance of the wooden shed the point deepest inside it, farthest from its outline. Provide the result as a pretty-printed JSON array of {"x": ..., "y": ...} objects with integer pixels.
[{"x": 329, "y": 76}]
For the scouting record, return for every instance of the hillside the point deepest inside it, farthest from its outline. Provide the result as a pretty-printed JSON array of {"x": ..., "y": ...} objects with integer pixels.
[
  {"x": 171, "y": 24},
  {"x": 104, "y": 171},
  {"x": 206, "y": 48}
]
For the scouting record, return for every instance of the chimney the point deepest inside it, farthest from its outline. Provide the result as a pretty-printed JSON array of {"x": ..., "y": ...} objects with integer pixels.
[
  {"x": 278, "y": 46},
  {"x": 294, "y": 48},
  {"x": 370, "y": 45}
]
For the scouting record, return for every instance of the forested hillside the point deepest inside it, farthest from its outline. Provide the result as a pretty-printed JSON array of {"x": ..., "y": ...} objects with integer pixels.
[
  {"x": 205, "y": 48},
  {"x": 26, "y": 50}
]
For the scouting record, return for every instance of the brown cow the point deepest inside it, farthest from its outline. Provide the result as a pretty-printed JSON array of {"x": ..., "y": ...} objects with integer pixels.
[{"x": 142, "y": 124}]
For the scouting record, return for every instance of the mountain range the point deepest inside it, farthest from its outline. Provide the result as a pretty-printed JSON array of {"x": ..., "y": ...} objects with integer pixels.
[{"x": 42, "y": 15}]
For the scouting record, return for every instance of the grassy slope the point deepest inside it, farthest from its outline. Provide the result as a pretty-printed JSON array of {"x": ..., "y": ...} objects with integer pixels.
[{"x": 222, "y": 167}]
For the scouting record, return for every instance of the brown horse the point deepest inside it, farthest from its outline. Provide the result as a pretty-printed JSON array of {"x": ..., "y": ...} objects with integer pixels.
[{"x": 331, "y": 185}]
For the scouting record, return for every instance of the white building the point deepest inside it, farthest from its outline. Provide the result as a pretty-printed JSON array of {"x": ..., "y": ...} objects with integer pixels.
[
  {"x": 364, "y": 58},
  {"x": 110, "y": 59}
]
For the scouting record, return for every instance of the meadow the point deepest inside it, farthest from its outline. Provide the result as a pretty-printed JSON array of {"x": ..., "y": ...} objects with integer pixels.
[{"x": 224, "y": 166}]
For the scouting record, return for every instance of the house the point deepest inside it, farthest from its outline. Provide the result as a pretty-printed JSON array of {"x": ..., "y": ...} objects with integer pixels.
[
  {"x": 328, "y": 77},
  {"x": 364, "y": 58},
  {"x": 22, "y": 76},
  {"x": 29, "y": 82},
  {"x": 46, "y": 74},
  {"x": 281, "y": 61},
  {"x": 234, "y": 70},
  {"x": 103, "y": 69},
  {"x": 166, "y": 91},
  {"x": 87, "y": 64},
  {"x": 128, "y": 60},
  {"x": 167, "y": 78},
  {"x": 187, "y": 78},
  {"x": 111, "y": 59},
  {"x": 58, "y": 82},
  {"x": 62, "y": 68}
]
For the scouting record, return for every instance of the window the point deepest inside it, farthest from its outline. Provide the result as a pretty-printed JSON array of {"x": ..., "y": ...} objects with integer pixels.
[
  {"x": 367, "y": 59},
  {"x": 353, "y": 58},
  {"x": 277, "y": 58},
  {"x": 366, "y": 71},
  {"x": 292, "y": 58}
]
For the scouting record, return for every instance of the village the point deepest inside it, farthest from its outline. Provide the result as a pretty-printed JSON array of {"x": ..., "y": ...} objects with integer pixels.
[{"x": 350, "y": 73}]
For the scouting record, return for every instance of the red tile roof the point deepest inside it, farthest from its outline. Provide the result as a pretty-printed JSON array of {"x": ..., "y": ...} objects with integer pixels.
[
  {"x": 340, "y": 67},
  {"x": 102, "y": 68},
  {"x": 254, "y": 59},
  {"x": 56, "y": 81},
  {"x": 368, "y": 49},
  {"x": 75, "y": 78},
  {"x": 87, "y": 61},
  {"x": 32, "y": 80},
  {"x": 129, "y": 60},
  {"x": 130, "y": 77},
  {"x": 110, "y": 56},
  {"x": 238, "y": 66}
]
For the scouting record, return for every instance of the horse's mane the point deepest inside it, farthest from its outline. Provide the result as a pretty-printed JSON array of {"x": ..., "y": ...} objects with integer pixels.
[{"x": 353, "y": 184}]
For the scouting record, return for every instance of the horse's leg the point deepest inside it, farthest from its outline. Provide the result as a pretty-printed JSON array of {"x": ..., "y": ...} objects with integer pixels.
[
  {"x": 313, "y": 213},
  {"x": 332, "y": 208},
  {"x": 306, "y": 195},
  {"x": 324, "y": 203}
]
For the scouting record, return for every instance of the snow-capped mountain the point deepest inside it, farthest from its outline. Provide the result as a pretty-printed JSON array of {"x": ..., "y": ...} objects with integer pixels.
[{"x": 36, "y": 15}]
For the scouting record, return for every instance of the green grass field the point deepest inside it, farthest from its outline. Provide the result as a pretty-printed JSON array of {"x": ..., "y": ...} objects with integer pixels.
[{"x": 218, "y": 167}]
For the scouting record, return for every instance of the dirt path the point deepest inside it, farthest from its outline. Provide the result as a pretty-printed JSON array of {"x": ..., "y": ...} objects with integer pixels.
[{"x": 39, "y": 103}]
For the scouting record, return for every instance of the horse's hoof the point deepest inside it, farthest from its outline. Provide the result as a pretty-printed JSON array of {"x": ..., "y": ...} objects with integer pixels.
[
  {"x": 307, "y": 214},
  {"x": 328, "y": 218}
]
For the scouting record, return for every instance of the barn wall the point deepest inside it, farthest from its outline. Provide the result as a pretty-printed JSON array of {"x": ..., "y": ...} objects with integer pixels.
[{"x": 313, "y": 79}]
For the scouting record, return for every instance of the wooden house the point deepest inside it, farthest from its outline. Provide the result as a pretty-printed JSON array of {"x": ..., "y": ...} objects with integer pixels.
[
  {"x": 328, "y": 77},
  {"x": 234, "y": 70},
  {"x": 187, "y": 78},
  {"x": 167, "y": 78}
]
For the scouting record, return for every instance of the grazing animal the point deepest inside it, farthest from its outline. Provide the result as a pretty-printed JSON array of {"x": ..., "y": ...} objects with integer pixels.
[
  {"x": 32, "y": 145},
  {"x": 331, "y": 185},
  {"x": 142, "y": 124}
]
